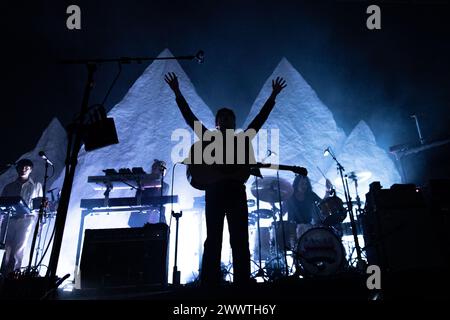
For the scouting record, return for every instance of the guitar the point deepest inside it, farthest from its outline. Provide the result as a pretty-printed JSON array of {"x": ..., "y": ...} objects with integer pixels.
[{"x": 200, "y": 176}]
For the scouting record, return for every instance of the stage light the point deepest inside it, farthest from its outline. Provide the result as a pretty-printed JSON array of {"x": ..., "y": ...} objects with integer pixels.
[{"x": 100, "y": 131}]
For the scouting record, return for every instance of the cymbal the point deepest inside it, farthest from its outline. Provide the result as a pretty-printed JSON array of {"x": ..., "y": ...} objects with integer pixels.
[
  {"x": 268, "y": 189},
  {"x": 359, "y": 176}
]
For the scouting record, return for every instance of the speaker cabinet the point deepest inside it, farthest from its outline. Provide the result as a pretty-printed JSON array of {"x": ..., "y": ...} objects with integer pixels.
[
  {"x": 400, "y": 232},
  {"x": 115, "y": 258}
]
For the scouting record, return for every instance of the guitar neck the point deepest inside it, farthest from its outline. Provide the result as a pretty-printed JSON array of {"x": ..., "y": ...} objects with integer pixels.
[{"x": 282, "y": 167}]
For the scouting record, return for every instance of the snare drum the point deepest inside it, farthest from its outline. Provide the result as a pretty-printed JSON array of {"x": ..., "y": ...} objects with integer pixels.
[{"x": 320, "y": 253}]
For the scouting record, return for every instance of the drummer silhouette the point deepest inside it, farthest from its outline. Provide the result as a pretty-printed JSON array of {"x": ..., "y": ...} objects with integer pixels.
[{"x": 302, "y": 205}]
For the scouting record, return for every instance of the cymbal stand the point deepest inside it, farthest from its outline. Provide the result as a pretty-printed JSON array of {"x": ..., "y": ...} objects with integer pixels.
[
  {"x": 274, "y": 230},
  {"x": 282, "y": 226},
  {"x": 260, "y": 272},
  {"x": 359, "y": 210},
  {"x": 360, "y": 264},
  {"x": 358, "y": 200}
]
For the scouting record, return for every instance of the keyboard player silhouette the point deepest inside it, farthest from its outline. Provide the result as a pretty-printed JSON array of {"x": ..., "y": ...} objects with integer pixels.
[{"x": 140, "y": 218}]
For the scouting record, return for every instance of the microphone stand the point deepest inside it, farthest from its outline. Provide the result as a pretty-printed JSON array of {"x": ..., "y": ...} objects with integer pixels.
[
  {"x": 75, "y": 142},
  {"x": 360, "y": 264},
  {"x": 176, "y": 274},
  {"x": 39, "y": 221}
]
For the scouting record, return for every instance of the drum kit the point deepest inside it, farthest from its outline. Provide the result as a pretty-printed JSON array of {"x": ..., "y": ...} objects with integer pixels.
[{"x": 307, "y": 250}]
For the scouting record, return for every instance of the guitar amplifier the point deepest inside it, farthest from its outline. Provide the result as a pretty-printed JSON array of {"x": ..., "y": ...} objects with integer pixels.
[
  {"x": 131, "y": 257},
  {"x": 399, "y": 230}
]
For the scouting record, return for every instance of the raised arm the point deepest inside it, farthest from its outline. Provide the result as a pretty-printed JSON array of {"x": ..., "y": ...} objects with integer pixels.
[
  {"x": 329, "y": 189},
  {"x": 186, "y": 111},
  {"x": 277, "y": 85}
]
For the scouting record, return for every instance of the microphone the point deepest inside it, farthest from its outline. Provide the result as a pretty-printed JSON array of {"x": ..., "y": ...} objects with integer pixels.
[
  {"x": 200, "y": 56},
  {"x": 43, "y": 156}
]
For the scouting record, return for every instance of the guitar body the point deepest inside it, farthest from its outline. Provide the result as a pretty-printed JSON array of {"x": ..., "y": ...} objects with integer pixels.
[{"x": 201, "y": 175}]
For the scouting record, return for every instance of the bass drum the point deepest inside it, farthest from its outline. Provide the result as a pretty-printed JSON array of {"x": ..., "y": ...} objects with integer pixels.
[{"x": 319, "y": 253}]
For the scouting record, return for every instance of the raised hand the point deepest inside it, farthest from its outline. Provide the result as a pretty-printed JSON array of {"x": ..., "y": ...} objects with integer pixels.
[
  {"x": 172, "y": 80},
  {"x": 277, "y": 85}
]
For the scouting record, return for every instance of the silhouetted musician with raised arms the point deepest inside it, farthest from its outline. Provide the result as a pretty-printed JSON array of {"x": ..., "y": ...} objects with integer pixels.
[{"x": 227, "y": 195}]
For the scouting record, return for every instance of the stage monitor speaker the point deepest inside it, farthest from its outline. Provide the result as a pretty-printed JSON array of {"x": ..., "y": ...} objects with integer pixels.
[
  {"x": 437, "y": 194},
  {"x": 400, "y": 233},
  {"x": 117, "y": 258}
]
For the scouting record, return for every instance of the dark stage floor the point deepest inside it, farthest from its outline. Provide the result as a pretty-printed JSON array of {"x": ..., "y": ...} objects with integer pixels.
[{"x": 425, "y": 285}]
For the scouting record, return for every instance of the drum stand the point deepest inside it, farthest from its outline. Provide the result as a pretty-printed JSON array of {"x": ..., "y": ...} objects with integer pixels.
[
  {"x": 282, "y": 226},
  {"x": 358, "y": 200},
  {"x": 361, "y": 264},
  {"x": 275, "y": 241},
  {"x": 283, "y": 246}
]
